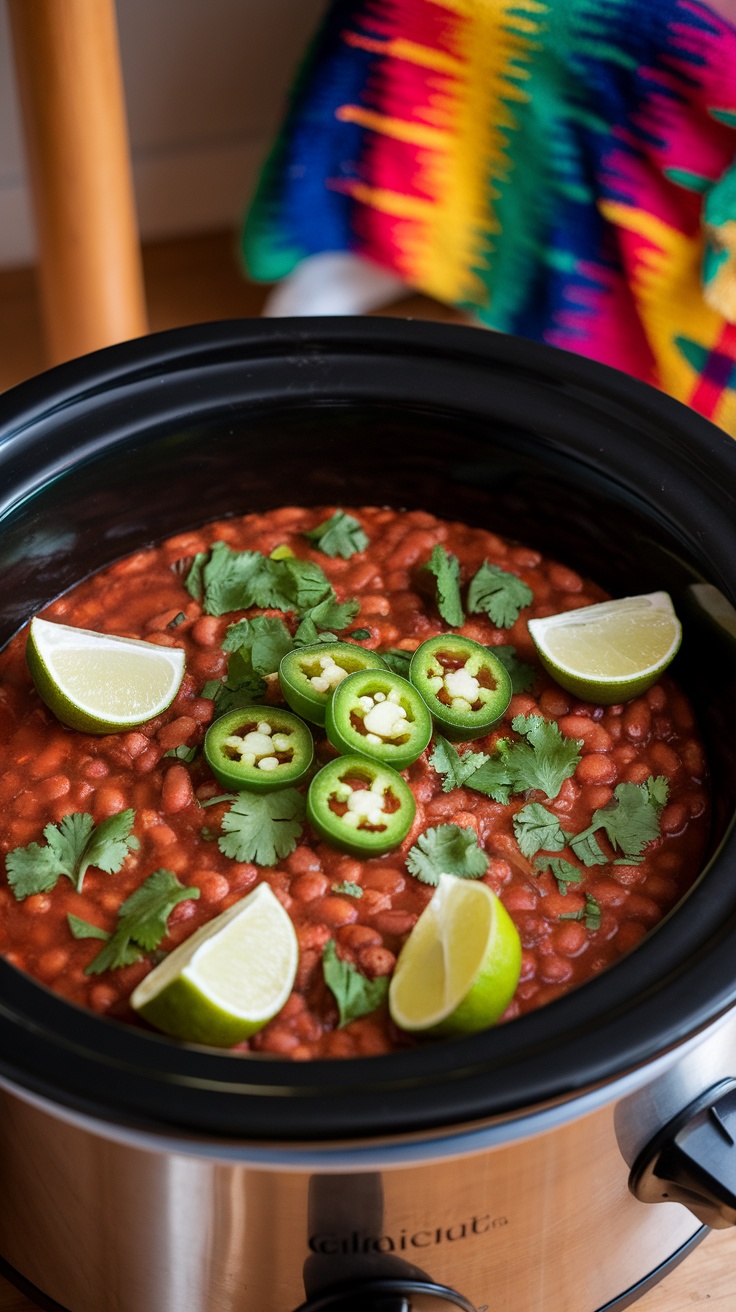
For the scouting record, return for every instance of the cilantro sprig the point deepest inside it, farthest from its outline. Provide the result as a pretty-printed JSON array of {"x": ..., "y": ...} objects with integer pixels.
[
  {"x": 355, "y": 994},
  {"x": 522, "y": 675},
  {"x": 142, "y": 922},
  {"x": 340, "y": 535},
  {"x": 543, "y": 758},
  {"x": 224, "y": 580},
  {"x": 349, "y": 888},
  {"x": 498, "y": 594},
  {"x": 630, "y": 822},
  {"x": 446, "y": 570},
  {"x": 590, "y": 913},
  {"x": 262, "y": 827},
  {"x": 257, "y": 645},
  {"x": 454, "y": 769},
  {"x": 72, "y": 847},
  {"x": 446, "y": 850}
]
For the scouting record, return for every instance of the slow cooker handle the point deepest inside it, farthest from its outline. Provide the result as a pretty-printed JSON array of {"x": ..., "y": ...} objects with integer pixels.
[
  {"x": 388, "y": 1296},
  {"x": 693, "y": 1159}
]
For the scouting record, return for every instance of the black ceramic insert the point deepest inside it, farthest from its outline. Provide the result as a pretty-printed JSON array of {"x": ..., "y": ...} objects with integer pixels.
[{"x": 140, "y": 441}]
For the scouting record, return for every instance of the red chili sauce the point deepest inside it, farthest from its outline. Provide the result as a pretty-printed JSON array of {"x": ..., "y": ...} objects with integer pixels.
[{"x": 49, "y": 771}]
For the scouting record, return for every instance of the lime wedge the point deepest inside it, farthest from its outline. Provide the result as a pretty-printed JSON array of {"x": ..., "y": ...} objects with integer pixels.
[
  {"x": 609, "y": 652},
  {"x": 99, "y": 683},
  {"x": 229, "y": 979},
  {"x": 459, "y": 967}
]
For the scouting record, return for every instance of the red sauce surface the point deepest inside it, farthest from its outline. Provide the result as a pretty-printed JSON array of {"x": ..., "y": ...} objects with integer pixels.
[{"x": 49, "y": 771}]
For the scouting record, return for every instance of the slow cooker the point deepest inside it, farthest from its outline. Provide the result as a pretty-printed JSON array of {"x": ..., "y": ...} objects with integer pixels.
[{"x": 559, "y": 1163}]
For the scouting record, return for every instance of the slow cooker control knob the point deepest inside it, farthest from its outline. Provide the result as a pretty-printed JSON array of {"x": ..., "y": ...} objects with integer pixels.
[
  {"x": 693, "y": 1159},
  {"x": 388, "y": 1296}
]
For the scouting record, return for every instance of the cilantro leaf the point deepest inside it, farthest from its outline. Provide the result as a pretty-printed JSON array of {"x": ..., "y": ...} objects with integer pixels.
[
  {"x": 340, "y": 535},
  {"x": 349, "y": 888},
  {"x": 261, "y": 641},
  {"x": 447, "y": 850},
  {"x": 235, "y": 580},
  {"x": 182, "y": 753},
  {"x": 522, "y": 675},
  {"x": 537, "y": 829},
  {"x": 354, "y": 993},
  {"x": 545, "y": 760},
  {"x": 564, "y": 871},
  {"x": 72, "y": 847},
  {"x": 263, "y": 827},
  {"x": 69, "y": 839},
  {"x": 32, "y": 869},
  {"x": 658, "y": 791},
  {"x": 590, "y": 913},
  {"x": 305, "y": 584},
  {"x": 360, "y": 635},
  {"x": 142, "y": 922},
  {"x": 454, "y": 768},
  {"x": 108, "y": 845},
  {"x": 498, "y": 594},
  {"x": 308, "y": 633},
  {"x": 82, "y": 928},
  {"x": 397, "y": 660},
  {"x": 493, "y": 777},
  {"x": 333, "y": 614},
  {"x": 446, "y": 570},
  {"x": 587, "y": 849},
  {"x": 632, "y": 820}
]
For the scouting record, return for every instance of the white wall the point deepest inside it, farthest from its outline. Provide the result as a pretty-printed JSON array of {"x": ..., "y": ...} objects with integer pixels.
[{"x": 205, "y": 84}]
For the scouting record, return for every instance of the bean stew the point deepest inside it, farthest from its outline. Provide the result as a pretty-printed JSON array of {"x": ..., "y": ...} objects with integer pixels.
[{"x": 584, "y": 868}]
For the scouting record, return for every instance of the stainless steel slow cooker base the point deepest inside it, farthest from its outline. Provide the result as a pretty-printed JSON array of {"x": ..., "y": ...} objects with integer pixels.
[
  {"x": 631, "y": 1296},
  {"x": 534, "y": 1213}
]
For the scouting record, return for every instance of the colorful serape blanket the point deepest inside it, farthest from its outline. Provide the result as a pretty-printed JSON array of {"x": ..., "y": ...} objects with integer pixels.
[{"x": 561, "y": 169}]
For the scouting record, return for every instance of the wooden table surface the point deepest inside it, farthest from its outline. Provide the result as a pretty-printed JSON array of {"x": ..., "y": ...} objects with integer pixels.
[{"x": 708, "y": 1275}]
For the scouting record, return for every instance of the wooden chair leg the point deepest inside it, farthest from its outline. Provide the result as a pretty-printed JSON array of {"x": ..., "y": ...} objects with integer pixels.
[{"x": 72, "y": 103}]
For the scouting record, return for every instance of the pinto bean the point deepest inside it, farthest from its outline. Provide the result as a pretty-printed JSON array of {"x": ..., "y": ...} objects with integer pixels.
[{"x": 176, "y": 791}]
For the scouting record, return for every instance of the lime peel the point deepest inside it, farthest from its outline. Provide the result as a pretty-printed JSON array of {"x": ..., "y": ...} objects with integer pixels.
[
  {"x": 229, "y": 979},
  {"x": 459, "y": 967},
  {"x": 100, "y": 683},
  {"x": 612, "y": 651}
]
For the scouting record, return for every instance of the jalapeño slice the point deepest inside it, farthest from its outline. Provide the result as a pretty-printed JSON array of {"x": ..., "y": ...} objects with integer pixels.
[
  {"x": 378, "y": 714},
  {"x": 465, "y": 686},
  {"x": 259, "y": 748},
  {"x": 309, "y": 675},
  {"x": 360, "y": 806}
]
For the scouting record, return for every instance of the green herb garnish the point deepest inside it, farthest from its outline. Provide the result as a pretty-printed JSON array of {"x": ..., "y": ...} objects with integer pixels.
[
  {"x": 454, "y": 769},
  {"x": 590, "y": 913},
  {"x": 349, "y": 888},
  {"x": 499, "y": 595},
  {"x": 564, "y": 871},
  {"x": 630, "y": 822},
  {"x": 340, "y": 535},
  {"x": 446, "y": 850},
  {"x": 263, "y": 827},
  {"x": 522, "y": 675},
  {"x": 261, "y": 641},
  {"x": 72, "y": 847},
  {"x": 544, "y": 760},
  {"x": 142, "y": 922},
  {"x": 182, "y": 753},
  {"x": 360, "y": 635},
  {"x": 397, "y": 660},
  {"x": 446, "y": 570},
  {"x": 354, "y": 993},
  {"x": 536, "y": 829}
]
